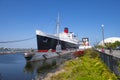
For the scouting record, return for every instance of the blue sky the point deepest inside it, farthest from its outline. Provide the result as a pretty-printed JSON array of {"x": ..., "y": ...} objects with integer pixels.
[{"x": 19, "y": 19}]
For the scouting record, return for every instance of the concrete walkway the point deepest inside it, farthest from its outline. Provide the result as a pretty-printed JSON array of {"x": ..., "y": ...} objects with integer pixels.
[{"x": 115, "y": 53}]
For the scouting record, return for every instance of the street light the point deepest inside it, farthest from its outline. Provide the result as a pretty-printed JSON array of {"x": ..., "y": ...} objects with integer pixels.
[{"x": 103, "y": 34}]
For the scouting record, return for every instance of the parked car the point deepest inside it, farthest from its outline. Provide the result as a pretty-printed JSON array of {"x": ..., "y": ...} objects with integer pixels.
[{"x": 118, "y": 48}]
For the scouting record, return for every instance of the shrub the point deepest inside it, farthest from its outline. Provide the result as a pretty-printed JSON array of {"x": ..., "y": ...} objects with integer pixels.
[{"x": 87, "y": 67}]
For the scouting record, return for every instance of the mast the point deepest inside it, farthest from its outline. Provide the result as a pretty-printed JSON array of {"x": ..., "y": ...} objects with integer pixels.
[
  {"x": 58, "y": 25},
  {"x": 58, "y": 46}
]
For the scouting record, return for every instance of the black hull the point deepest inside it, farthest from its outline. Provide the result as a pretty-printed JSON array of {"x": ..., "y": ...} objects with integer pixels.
[{"x": 46, "y": 43}]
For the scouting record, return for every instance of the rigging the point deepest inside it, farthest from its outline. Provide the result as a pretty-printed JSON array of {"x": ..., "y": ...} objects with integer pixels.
[{"x": 14, "y": 41}]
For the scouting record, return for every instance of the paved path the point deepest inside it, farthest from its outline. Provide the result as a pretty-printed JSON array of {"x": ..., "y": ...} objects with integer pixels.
[{"x": 115, "y": 53}]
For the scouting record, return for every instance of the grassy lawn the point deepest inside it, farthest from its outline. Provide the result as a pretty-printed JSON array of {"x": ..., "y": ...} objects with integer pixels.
[{"x": 85, "y": 67}]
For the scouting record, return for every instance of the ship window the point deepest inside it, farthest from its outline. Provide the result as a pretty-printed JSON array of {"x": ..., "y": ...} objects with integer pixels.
[
  {"x": 45, "y": 40},
  {"x": 74, "y": 35}
]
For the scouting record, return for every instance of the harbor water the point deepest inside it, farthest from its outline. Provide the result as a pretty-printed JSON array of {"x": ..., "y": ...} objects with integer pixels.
[{"x": 15, "y": 67}]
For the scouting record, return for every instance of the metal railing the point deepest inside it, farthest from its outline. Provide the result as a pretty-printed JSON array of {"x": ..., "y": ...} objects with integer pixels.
[{"x": 111, "y": 61}]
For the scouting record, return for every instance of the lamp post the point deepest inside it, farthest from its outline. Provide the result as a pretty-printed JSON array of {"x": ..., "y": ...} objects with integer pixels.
[{"x": 103, "y": 34}]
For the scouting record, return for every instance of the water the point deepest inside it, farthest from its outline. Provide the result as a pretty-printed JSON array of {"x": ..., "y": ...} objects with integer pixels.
[{"x": 15, "y": 67}]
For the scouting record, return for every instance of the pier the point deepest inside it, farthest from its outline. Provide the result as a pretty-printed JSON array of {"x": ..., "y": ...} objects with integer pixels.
[{"x": 14, "y": 52}]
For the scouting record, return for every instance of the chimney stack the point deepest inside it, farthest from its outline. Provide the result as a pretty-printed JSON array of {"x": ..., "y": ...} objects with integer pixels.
[{"x": 65, "y": 30}]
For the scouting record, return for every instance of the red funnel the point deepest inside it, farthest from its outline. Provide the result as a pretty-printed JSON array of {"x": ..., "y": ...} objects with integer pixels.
[{"x": 66, "y": 30}]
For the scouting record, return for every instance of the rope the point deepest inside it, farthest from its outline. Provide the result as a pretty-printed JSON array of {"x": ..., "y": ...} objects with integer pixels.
[{"x": 13, "y": 41}]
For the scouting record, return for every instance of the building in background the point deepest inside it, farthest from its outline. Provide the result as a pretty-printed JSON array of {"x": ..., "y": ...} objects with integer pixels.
[{"x": 109, "y": 40}]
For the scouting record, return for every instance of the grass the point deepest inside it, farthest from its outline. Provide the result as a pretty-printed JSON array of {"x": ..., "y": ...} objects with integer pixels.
[{"x": 86, "y": 67}]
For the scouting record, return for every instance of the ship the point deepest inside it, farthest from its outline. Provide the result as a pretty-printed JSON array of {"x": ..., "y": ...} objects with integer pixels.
[
  {"x": 57, "y": 42},
  {"x": 65, "y": 39}
]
